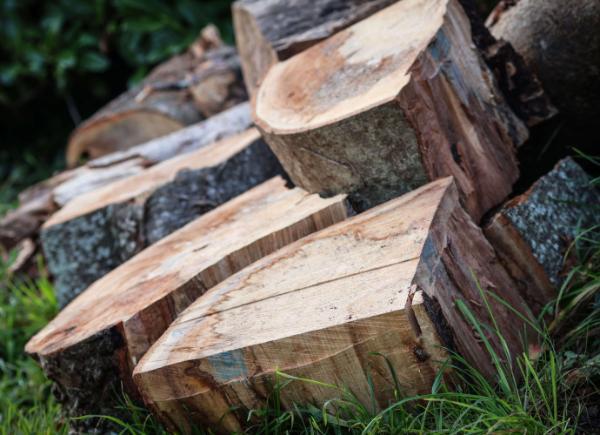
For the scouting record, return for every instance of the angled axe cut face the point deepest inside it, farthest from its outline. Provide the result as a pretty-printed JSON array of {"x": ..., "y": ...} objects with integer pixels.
[
  {"x": 94, "y": 343},
  {"x": 386, "y": 281}
]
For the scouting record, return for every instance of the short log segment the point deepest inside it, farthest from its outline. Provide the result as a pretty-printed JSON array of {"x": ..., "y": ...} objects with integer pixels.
[
  {"x": 533, "y": 232},
  {"x": 397, "y": 99},
  {"x": 95, "y": 342},
  {"x": 36, "y": 204},
  {"x": 560, "y": 41},
  {"x": 387, "y": 281},
  {"x": 269, "y": 31},
  {"x": 96, "y": 232},
  {"x": 182, "y": 91}
]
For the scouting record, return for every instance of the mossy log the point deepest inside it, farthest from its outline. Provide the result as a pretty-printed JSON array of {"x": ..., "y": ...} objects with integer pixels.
[{"x": 92, "y": 346}]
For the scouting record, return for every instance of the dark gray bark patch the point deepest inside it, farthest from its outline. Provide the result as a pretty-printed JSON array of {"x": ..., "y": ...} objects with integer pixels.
[
  {"x": 195, "y": 192},
  {"x": 551, "y": 213}
]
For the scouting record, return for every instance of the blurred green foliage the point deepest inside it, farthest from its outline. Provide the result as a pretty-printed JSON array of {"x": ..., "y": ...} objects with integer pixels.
[
  {"x": 61, "y": 60},
  {"x": 59, "y": 41}
]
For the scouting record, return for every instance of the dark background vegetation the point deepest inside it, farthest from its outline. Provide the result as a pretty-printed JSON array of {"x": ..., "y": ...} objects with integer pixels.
[{"x": 61, "y": 60}]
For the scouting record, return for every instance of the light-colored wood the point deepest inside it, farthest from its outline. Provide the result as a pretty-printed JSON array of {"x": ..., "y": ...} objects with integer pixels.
[
  {"x": 387, "y": 281},
  {"x": 533, "y": 232},
  {"x": 184, "y": 90},
  {"x": 96, "y": 341},
  {"x": 37, "y": 203},
  {"x": 269, "y": 31},
  {"x": 560, "y": 41},
  {"x": 96, "y": 232},
  {"x": 393, "y": 101}
]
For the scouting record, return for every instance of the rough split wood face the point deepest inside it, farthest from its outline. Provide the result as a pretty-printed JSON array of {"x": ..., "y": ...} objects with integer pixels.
[
  {"x": 96, "y": 232},
  {"x": 391, "y": 102},
  {"x": 97, "y": 340},
  {"x": 269, "y": 31},
  {"x": 533, "y": 232},
  {"x": 384, "y": 281}
]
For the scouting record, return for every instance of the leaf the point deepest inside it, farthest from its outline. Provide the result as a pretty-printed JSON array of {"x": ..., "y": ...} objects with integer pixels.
[{"x": 94, "y": 62}]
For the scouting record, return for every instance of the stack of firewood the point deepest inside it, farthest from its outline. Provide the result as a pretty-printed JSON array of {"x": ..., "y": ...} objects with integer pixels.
[{"x": 361, "y": 203}]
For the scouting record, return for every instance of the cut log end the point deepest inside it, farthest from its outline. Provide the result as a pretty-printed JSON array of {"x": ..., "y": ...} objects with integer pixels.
[
  {"x": 184, "y": 90},
  {"x": 95, "y": 342},
  {"x": 269, "y": 31},
  {"x": 385, "y": 281},
  {"x": 379, "y": 118}
]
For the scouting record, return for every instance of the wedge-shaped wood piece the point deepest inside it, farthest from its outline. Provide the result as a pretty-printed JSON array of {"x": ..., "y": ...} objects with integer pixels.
[
  {"x": 96, "y": 340},
  {"x": 533, "y": 232},
  {"x": 387, "y": 281},
  {"x": 389, "y": 103},
  {"x": 37, "y": 203},
  {"x": 96, "y": 232},
  {"x": 268, "y": 31},
  {"x": 186, "y": 89}
]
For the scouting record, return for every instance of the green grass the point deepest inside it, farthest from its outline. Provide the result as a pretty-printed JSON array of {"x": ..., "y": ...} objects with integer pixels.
[
  {"x": 554, "y": 392},
  {"x": 26, "y": 405}
]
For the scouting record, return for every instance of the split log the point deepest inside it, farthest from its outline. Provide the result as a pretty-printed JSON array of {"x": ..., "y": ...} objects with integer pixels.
[
  {"x": 386, "y": 281},
  {"x": 96, "y": 341},
  {"x": 269, "y": 31},
  {"x": 533, "y": 232},
  {"x": 184, "y": 90},
  {"x": 96, "y": 232},
  {"x": 41, "y": 200},
  {"x": 397, "y": 99},
  {"x": 560, "y": 42}
]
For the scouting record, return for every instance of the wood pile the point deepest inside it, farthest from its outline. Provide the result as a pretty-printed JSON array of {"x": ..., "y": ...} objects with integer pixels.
[
  {"x": 384, "y": 281},
  {"x": 368, "y": 218}
]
